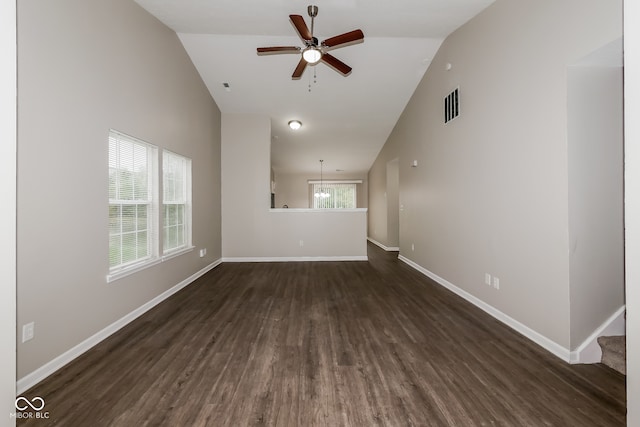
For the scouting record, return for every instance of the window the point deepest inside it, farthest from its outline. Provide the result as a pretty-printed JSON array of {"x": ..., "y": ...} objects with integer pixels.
[
  {"x": 334, "y": 195},
  {"x": 134, "y": 216},
  {"x": 133, "y": 204},
  {"x": 176, "y": 201}
]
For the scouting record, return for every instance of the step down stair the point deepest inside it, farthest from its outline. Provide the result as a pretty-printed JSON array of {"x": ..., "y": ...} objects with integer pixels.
[{"x": 614, "y": 352}]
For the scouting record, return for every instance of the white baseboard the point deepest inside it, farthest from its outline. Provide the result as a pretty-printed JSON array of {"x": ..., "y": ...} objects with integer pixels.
[
  {"x": 589, "y": 351},
  {"x": 297, "y": 259},
  {"x": 541, "y": 340},
  {"x": 380, "y": 245},
  {"x": 52, "y": 366}
]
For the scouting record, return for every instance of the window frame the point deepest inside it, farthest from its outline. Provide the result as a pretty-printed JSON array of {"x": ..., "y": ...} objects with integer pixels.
[
  {"x": 152, "y": 257},
  {"x": 155, "y": 218},
  {"x": 331, "y": 184},
  {"x": 186, "y": 184}
]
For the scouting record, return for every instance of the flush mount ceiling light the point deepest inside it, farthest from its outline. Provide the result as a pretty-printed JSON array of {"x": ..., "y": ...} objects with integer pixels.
[{"x": 295, "y": 124}]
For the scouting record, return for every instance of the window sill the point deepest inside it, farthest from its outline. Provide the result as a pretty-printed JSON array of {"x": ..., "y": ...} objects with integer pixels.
[
  {"x": 119, "y": 274},
  {"x": 176, "y": 253},
  {"x": 112, "y": 277}
]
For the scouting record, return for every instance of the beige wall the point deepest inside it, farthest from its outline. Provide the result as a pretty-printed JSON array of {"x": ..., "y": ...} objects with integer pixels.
[
  {"x": 250, "y": 229},
  {"x": 384, "y": 199},
  {"x": 377, "y": 220},
  {"x": 596, "y": 246},
  {"x": 490, "y": 193},
  {"x": 85, "y": 67},
  {"x": 294, "y": 190},
  {"x": 245, "y": 188}
]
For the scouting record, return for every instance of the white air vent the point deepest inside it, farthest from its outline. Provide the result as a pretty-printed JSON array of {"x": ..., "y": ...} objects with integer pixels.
[{"x": 451, "y": 106}]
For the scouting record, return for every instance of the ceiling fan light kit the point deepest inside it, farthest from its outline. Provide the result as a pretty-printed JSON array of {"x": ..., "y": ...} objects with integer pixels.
[
  {"x": 314, "y": 52},
  {"x": 312, "y": 55}
]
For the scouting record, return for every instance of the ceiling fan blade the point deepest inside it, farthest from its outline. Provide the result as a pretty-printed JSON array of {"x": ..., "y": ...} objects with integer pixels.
[
  {"x": 297, "y": 73},
  {"x": 277, "y": 50},
  {"x": 352, "y": 37},
  {"x": 336, "y": 64},
  {"x": 301, "y": 27}
]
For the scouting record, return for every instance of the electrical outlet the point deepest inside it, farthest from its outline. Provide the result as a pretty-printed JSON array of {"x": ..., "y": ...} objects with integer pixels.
[
  {"x": 413, "y": 247},
  {"x": 496, "y": 283},
  {"x": 487, "y": 279},
  {"x": 301, "y": 243},
  {"x": 28, "y": 331}
]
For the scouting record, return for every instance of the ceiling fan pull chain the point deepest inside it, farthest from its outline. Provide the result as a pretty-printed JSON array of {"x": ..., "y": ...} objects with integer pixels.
[{"x": 315, "y": 80}]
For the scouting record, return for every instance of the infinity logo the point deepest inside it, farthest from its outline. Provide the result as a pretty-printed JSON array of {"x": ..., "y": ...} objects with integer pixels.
[{"x": 26, "y": 403}]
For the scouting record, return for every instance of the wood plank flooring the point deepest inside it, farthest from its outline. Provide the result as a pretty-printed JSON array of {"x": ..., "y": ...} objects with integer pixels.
[{"x": 324, "y": 344}]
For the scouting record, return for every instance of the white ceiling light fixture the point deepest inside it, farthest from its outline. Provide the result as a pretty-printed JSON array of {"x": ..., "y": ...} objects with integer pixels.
[
  {"x": 295, "y": 124},
  {"x": 312, "y": 55}
]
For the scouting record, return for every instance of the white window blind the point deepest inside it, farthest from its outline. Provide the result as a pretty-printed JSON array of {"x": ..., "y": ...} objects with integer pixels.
[
  {"x": 334, "y": 196},
  {"x": 176, "y": 200},
  {"x": 133, "y": 202}
]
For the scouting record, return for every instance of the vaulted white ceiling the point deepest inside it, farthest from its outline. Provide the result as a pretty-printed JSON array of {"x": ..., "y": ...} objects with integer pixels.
[{"x": 346, "y": 120}]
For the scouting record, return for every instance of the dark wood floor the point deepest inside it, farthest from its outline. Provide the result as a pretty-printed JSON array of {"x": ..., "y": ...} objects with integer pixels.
[{"x": 326, "y": 344}]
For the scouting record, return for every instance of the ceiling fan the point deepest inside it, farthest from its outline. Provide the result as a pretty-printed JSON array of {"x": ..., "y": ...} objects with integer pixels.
[{"x": 314, "y": 52}]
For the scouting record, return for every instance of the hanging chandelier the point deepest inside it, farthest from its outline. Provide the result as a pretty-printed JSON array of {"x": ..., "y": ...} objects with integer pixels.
[{"x": 320, "y": 194}]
